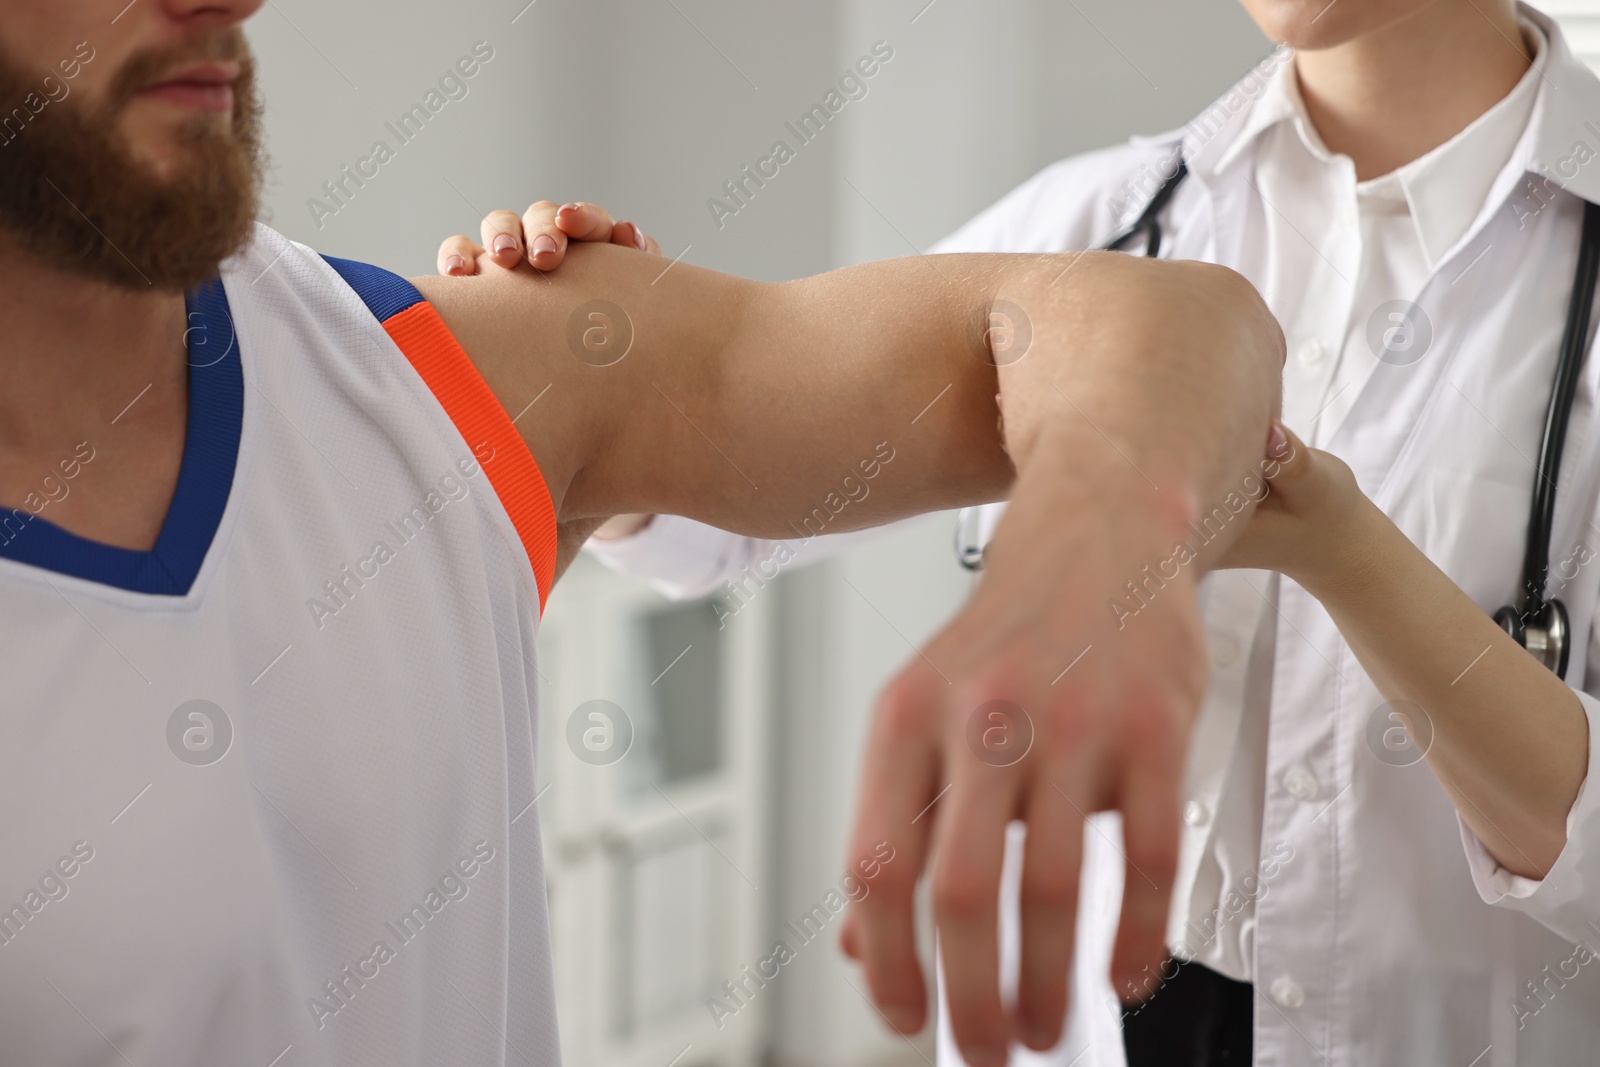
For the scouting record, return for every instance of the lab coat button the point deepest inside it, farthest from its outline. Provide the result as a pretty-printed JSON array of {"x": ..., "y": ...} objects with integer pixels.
[
  {"x": 1195, "y": 814},
  {"x": 1300, "y": 783},
  {"x": 1311, "y": 352},
  {"x": 1287, "y": 992}
]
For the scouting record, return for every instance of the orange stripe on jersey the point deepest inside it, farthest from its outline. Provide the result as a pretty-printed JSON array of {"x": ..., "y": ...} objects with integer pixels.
[{"x": 433, "y": 350}]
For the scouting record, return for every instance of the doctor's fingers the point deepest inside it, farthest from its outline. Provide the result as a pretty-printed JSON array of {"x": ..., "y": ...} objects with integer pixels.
[
  {"x": 583, "y": 221},
  {"x": 1048, "y": 905},
  {"x": 546, "y": 240},
  {"x": 969, "y": 853},
  {"x": 1149, "y": 800},
  {"x": 500, "y": 233},
  {"x": 900, "y": 786},
  {"x": 458, "y": 256}
]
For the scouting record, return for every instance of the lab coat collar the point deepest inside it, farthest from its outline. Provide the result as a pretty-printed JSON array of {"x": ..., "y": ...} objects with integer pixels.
[
  {"x": 1562, "y": 143},
  {"x": 1560, "y": 149},
  {"x": 1216, "y": 138},
  {"x": 1219, "y": 134}
]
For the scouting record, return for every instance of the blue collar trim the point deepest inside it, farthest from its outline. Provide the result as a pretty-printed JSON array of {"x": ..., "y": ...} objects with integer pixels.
[{"x": 210, "y": 454}]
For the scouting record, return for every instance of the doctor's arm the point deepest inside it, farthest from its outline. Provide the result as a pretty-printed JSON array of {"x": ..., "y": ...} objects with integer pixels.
[{"x": 1507, "y": 739}]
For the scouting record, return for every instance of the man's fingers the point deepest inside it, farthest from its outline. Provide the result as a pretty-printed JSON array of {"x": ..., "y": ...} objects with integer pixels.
[
  {"x": 966, "y": 899},
  {"x": 849, "y": 938},
  {"x": 458, "y": 256},
  {"x": 1149, "y": 804},
  {"x": 502, "y": 236},
  {"x": 1052, "y": 858},
  {"x": 894, "y": 819},
  {"x": 585, "y": 222}
]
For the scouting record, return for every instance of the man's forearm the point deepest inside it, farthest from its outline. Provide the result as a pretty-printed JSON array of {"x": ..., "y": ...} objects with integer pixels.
[{"x": 1167, "y": 373}]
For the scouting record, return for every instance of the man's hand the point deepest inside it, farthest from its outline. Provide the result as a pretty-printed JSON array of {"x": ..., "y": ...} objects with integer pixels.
[
  {"x": 540, "y": 235},
  {"x": 1069, "y": 682}
]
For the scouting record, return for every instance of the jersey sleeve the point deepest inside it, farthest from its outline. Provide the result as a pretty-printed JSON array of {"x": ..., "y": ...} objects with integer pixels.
[{"x": 450, "y": 375}]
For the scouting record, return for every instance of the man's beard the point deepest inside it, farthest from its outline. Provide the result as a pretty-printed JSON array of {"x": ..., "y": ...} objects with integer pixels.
[{"x": 75, "y": 198}]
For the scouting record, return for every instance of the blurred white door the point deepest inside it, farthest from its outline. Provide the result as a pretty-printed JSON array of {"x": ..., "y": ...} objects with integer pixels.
[{"x": 653, "y": 749}]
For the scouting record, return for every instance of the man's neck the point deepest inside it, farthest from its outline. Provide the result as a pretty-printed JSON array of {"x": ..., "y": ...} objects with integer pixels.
[
  {"x": 1389, "y": 97},
  {"x": 86, "y": 362}
]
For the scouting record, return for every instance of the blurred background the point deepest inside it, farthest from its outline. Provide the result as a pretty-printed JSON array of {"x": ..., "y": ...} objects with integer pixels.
[{"x": 700, "y": 767}]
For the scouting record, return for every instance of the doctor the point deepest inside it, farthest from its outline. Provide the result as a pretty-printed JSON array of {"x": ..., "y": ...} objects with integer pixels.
[{"x": 1390, "y": 854}]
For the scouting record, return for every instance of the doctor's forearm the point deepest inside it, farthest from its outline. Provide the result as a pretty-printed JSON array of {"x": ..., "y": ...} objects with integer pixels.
[{"x": 1510, "y": 740}]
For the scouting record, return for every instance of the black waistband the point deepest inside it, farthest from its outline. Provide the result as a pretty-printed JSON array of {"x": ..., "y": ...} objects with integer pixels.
[{"x": 1195, "y": 1018}]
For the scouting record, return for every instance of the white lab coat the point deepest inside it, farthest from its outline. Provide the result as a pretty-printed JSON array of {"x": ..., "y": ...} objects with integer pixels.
[{"x": 1390, "y": 936}]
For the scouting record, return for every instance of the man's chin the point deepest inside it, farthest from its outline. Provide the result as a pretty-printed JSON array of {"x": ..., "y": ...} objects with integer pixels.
[
  {"x": 146, "y": 195},
  {"x": 163, "y": 144}
]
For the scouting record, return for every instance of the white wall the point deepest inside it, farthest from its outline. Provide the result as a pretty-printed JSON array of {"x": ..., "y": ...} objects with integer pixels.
[
  {"x": 648, "y": 106},
  {"x": 625, "y": 102}
]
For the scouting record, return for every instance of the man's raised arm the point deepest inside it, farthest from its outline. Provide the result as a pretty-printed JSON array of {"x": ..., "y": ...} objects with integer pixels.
[
  {"x": 751, "y": 405},
  {"x": 1137, "y": 398}
]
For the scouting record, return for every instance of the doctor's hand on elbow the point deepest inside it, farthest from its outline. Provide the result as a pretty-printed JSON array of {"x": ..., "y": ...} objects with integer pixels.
[{"x": 540, "y": 235}]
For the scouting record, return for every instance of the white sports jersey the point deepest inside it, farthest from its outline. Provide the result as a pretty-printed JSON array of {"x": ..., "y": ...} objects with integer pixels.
[{"x": 266, "y": 791}]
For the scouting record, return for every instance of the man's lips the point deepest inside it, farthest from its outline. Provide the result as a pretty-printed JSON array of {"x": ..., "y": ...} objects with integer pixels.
[{"x": 203, "y": 87}]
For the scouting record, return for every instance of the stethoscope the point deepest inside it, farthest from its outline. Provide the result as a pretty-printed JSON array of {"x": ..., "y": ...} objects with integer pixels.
[{"x": 1539, "y": 625}]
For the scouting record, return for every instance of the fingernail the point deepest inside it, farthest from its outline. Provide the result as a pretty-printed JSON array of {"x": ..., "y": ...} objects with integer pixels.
[
  {"x": 1277, "y": 440},
  {"x": 505, "y": 243},
  {"x": 543, "y": 243},
  {"x": 566, "y": 207},
  {"x": 1038, "y": 1038},
  {"x": 985, "y": 1056},
  {"x": 638, "y": 239},
  {"x": 455, "y": 265}
]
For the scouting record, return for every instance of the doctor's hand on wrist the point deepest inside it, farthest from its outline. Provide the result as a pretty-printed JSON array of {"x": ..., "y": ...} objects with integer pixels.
[
  {"x": 540, "y": 236},
  {"x": 1308, "y": 526}
]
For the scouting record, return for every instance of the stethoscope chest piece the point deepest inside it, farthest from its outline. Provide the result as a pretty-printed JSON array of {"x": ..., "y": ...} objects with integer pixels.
[
  {"x": 1543, "y": 631},
  {"x": 969, "y": 539}
]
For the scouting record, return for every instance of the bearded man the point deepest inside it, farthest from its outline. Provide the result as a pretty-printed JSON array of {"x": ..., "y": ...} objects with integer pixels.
[{"x": 278, "y": 530}]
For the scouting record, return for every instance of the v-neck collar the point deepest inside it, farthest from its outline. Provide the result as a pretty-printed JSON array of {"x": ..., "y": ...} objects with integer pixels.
[{"x": 205, "y": 480}]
